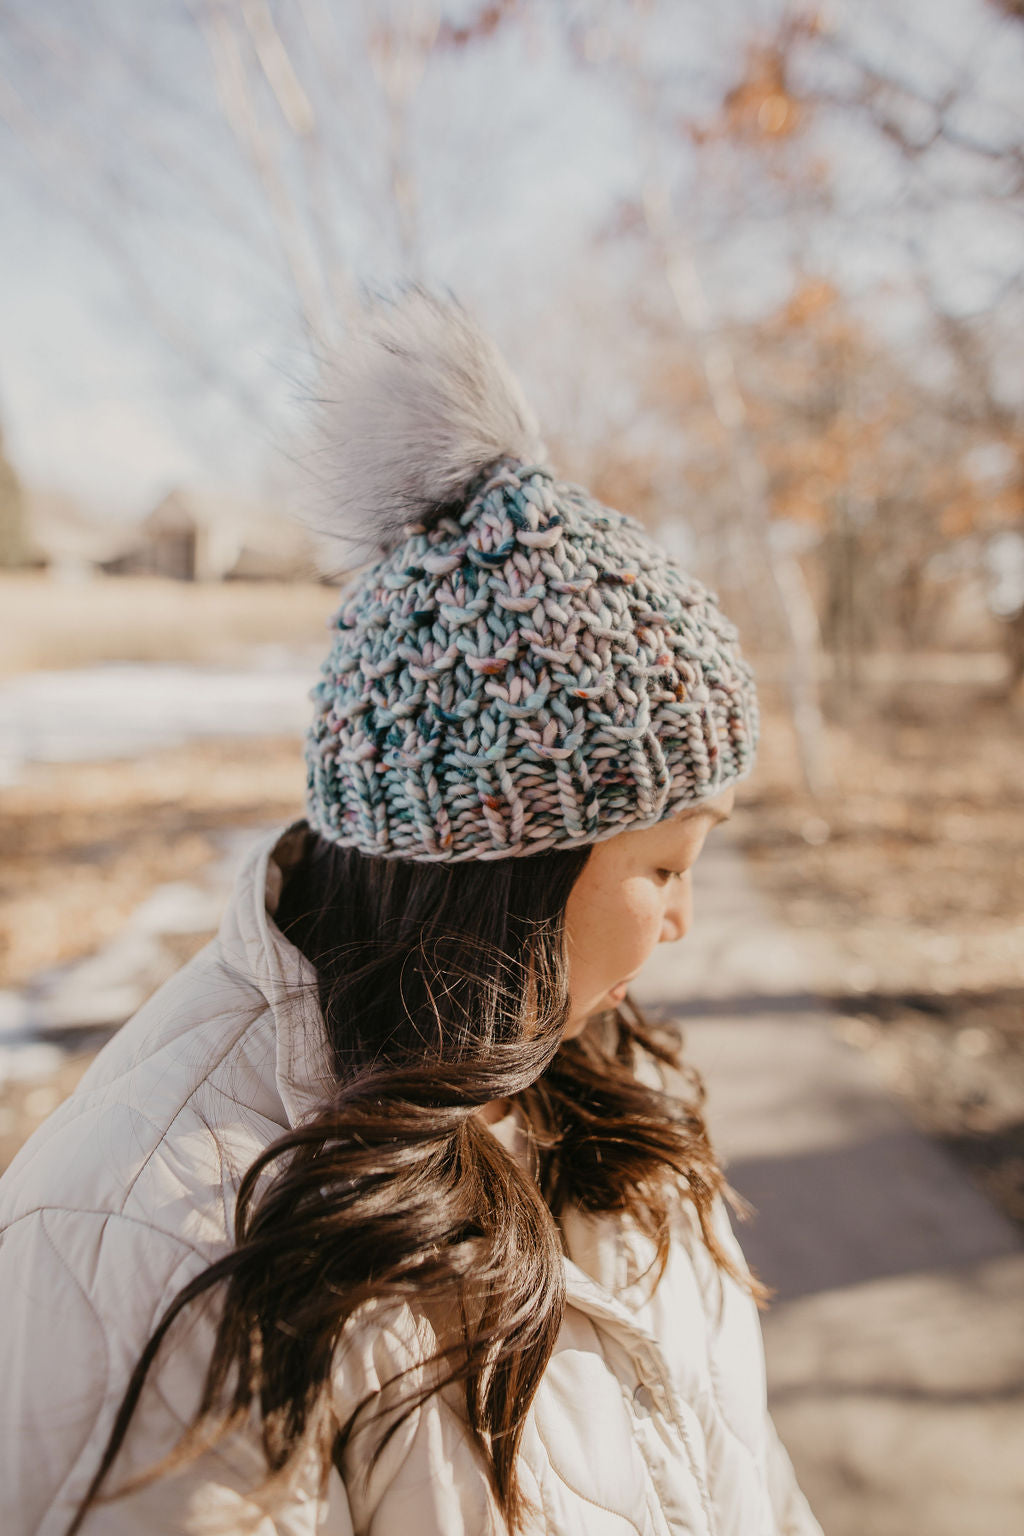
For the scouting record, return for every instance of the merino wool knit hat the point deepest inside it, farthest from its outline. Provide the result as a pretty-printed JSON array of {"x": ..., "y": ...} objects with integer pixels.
[{"x": 519, "y": 668}]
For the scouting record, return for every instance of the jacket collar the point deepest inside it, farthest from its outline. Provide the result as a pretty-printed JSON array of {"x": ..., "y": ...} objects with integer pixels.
[{"x": 252, "y": 945}]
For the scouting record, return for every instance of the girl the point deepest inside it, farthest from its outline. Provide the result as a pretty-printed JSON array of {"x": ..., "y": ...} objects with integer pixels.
[{"x": 389, "y": 1215}]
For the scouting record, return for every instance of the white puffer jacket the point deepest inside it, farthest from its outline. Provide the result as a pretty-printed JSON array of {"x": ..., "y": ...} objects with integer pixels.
[{"x": 651, "y": 1417}]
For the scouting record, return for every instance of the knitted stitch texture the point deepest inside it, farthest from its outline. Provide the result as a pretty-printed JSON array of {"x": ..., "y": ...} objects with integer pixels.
[{"x": 529, "y": 671}]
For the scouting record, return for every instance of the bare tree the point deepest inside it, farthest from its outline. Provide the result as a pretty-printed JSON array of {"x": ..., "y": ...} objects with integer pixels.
[
  {"x": 959, "y": 149},
  {"x": 616, "y": 52}
]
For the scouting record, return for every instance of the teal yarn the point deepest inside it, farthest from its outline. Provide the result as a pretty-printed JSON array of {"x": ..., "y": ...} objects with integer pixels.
[{"x": 525, "y": 670}]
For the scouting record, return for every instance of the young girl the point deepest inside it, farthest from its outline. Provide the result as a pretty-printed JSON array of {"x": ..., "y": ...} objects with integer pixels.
[{"x": 388, "y": 1215}]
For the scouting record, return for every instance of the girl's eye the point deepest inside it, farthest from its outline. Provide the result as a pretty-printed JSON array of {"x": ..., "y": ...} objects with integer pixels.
[{"x": 671, "y": 874}]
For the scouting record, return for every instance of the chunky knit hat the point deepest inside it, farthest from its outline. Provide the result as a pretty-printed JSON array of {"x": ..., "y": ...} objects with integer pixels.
[{"x": 520, "y": 668}]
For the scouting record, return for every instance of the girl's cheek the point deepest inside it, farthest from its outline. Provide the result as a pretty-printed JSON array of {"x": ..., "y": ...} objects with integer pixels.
[{"x": 643, "y": 914}]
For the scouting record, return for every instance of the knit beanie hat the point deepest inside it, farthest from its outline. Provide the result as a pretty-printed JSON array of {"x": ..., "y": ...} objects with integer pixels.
[{"x": 519, "y": 668}]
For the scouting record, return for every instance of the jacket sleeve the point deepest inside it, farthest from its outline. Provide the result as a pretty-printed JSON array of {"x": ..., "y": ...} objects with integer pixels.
[
  {"x": 792, "y": 1512},
  {"x": 64, "y": 1363}
]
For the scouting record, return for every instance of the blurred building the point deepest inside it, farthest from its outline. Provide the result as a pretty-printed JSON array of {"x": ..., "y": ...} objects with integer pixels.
[
  {"x": 17, "y": 549},
  {"x": 188, "y": 536}
]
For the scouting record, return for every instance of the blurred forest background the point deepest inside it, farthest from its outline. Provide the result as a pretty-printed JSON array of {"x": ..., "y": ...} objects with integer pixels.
[{"x": 757, "y": 264}]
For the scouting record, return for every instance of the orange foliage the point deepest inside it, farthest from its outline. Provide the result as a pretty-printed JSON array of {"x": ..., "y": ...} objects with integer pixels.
[
  {"x": 809, "y": 302},
  {"x": 762, "y": 107}
]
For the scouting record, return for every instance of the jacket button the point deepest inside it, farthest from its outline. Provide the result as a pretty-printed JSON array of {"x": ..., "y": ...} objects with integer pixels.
[{"x": 643, "y": 1399}]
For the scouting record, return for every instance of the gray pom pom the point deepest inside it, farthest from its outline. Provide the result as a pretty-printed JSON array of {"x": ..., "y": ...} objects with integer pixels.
[{"x": 413, "y": 404}]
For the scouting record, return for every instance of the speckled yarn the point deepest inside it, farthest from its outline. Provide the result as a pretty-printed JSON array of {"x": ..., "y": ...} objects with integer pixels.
[{"x": 530, "y": 672}]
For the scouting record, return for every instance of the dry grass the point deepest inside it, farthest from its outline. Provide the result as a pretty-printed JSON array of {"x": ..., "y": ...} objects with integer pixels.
[
  {"x": 922, "y": 834},
  {"x": 55, "y": 624},
  {"x": 82, "y": 844}
]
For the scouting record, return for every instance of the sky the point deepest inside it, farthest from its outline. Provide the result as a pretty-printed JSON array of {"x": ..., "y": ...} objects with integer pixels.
[{"x": 150, "y": 336}]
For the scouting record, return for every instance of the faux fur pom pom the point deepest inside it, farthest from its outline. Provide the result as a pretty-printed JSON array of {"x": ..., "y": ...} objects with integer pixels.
[{"x": 414, "y": 402}]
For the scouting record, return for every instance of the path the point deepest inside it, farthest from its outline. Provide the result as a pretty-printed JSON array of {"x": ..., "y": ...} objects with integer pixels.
[{"x": 896, "y": 1341}]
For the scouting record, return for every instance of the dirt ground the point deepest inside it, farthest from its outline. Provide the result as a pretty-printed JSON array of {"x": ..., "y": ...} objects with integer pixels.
[
  {"x": 83, "y": 844},
  {"x": 911, "y": 866}
]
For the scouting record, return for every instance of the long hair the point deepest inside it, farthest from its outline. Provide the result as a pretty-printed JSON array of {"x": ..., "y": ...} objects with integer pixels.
[{"x": 443, "y": 988}]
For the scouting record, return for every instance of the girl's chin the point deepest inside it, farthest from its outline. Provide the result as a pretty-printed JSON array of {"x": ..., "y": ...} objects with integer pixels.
[{"x": 609, "y": 999}]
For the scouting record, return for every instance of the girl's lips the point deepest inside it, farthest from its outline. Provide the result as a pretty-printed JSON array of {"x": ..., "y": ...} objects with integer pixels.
[{"x": 619, "y": 992}]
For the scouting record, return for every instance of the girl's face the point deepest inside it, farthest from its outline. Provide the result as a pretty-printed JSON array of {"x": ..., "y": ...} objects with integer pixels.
[{"x": 634, "y": 892}]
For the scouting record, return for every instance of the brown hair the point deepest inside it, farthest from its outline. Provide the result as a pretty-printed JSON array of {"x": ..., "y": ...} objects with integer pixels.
[{"x": 443, "y": 987}]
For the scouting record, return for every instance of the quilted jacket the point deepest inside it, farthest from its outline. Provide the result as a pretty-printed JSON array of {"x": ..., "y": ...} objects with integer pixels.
[{"x": 650, "y": 1420}]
